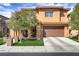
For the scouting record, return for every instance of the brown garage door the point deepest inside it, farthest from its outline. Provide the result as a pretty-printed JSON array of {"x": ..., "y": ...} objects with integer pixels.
[{"x": 53, "y": 31}]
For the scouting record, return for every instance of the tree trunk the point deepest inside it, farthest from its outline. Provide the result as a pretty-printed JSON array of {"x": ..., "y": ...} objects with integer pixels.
[
  {"x": 20, "y": 36},
  {"x": 16, "y": 36},
  {"x": 29, "y": 33}
]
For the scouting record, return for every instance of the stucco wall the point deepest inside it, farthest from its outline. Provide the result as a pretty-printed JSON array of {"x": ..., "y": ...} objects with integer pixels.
[
  {"x": 42, "y": 18},
  {"x": 64, "y": 18},
  {"x": 55, "y": 18},
  {"x": 66, "y": 31}
]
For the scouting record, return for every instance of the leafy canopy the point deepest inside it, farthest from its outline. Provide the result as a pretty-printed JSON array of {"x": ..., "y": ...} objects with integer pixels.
[
  {"x": 22, "y": 19},
  {"x": 74, "y": 23}
]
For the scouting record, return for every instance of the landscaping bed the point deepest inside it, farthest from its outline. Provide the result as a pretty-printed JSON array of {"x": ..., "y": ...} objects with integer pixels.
[
  {"x": 1, "y": 41},
  {"x": 30, "y": 42},
  {"x": 75, "y": 38}
]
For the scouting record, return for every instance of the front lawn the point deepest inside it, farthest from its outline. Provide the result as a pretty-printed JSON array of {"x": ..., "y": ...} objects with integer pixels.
[
  {"x": 1, "y": 41},
  {"x": 30, "y": 42}
]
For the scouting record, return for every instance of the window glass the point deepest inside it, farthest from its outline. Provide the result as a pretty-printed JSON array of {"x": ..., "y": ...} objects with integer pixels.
[{"x": 48, "y": 13}]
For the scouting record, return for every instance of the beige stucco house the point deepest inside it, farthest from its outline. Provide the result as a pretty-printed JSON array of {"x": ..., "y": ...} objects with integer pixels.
[{"x": 52, "y": 22}]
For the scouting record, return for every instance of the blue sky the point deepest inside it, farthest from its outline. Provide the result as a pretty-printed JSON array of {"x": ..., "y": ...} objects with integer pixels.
[{"x": 7, "y": 8}]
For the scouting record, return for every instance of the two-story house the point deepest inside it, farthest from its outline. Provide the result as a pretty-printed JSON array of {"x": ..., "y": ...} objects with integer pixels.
[{"x": 52, "y": 21}]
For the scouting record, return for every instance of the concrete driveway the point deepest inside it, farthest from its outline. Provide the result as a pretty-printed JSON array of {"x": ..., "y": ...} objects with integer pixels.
[{"x": 61, "y": 44}]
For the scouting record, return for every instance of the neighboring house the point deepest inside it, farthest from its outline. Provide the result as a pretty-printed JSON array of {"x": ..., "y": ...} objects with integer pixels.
[
  {"x": 52, "y": 21},
  {"x": 3, "y": 28}
]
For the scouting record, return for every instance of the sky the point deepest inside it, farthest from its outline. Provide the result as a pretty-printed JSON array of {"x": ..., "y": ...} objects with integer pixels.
[{"x": 7, "y": 8}]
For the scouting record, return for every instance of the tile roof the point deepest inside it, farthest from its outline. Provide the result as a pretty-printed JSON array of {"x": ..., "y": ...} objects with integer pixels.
[{"x": 54, "y": 7}]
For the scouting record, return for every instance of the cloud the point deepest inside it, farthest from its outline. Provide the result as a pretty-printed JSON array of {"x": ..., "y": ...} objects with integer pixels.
[
  {"x": 5, "y": 11},
  {"x": 66, "y": 5},
  {"x": 5, "y": 4},
  {"x": 53, "y": 4},
  {"x": 7, "y": 14}
]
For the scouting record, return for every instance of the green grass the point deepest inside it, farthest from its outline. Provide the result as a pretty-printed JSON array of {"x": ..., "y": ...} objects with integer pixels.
[
  {"x": 1, "y": 41},
  {"x": 30, "y": 42},
  {"x": 75, "y": 38}
]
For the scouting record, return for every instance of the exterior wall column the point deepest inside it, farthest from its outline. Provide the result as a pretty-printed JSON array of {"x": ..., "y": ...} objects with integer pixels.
[
  {"x": 66, "y": 31},
  {"x": 39, "y": 31}
]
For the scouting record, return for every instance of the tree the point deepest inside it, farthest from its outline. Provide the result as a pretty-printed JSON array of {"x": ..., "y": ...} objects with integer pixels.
[
  {"x": 32, "y": 22},
  {"x": 74, "y": 22},
  {"x": 17, "y": 23},
  {"x": 22, "y": 20},
  {"x": 30, "y": 16},
  {"x": 13, "y": 23}
]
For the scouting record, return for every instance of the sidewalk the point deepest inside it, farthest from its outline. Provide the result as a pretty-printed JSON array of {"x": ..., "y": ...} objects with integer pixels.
[
  {"x": 29, "y": 49},
  {"x": 26, "y": 49}
]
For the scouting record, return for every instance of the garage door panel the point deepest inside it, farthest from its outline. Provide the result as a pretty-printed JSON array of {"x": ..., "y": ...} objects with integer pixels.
[{"x": 53, "y": 31}]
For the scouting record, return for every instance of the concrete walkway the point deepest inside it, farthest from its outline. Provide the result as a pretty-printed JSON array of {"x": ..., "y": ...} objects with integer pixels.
[{"x": 51, "y": 44}]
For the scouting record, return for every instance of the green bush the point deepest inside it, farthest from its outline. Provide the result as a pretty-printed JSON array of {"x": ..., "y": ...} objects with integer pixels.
[
  {"x": 1, "y": 41},
  {"x": 75, "y": 38}
]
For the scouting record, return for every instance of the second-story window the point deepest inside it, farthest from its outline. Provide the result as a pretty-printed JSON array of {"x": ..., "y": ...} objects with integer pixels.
[{"x": 48, "y": 13}]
